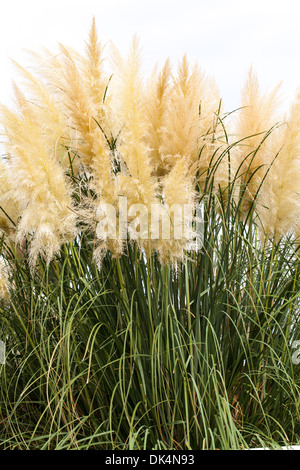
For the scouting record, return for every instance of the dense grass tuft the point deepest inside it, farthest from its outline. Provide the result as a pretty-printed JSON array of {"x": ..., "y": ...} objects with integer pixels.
[{"x": 143, "y": 355}]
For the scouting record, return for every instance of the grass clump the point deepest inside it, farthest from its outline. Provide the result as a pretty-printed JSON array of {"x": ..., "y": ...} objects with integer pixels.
[{"x": 139, "y": 342}]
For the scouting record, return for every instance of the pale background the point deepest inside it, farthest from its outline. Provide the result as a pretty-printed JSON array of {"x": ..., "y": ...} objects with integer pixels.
[{"x": 224, "y": 36}]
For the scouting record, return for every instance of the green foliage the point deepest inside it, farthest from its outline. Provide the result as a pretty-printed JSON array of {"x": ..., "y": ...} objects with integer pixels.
[{"x": 142, "y": 355}]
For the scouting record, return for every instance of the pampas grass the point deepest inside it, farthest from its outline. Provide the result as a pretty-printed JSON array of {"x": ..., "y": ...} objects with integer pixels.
[
  {"x": 130, "y": 136},
  {"x": 118, "y": 336},
  {"x": 125, "y": 134},
  {"x": 279, "y": 197}
]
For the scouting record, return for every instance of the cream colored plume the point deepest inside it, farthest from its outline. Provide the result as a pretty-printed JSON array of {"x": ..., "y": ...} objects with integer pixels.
[
  {"x": 42, "y": 104},
  {"x": 89, "y": 141},
  {"x": 4, "y": 279},
  {"x": 178, "y": 195},
  {"x": 40, "y": 187},
  {"x": 95, "y": 78},
  {"x": 156, "y": 110},
  {"x": 259, "y": 114},
  {"x": 189, "y": 122},
  {"x": 136, "y": 181},
  {"x": 279, "y": 198},
  {"x": 9, "y": 207},
  {"x": 151, "y": 141}
]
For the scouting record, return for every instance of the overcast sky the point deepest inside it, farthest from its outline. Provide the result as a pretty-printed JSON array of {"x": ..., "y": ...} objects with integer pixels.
[{"x": 225, "y": 37}]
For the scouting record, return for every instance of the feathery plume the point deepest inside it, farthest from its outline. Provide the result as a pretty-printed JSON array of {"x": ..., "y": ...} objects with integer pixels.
[
  {"x": 41, "y": 190},
  {"x": 189, "y": 121},
  {"x": 44, "y": 106},
  {"x": 136, "y": 182},
  {"x": 9, "y": 208},
  {"x": 4, "y": 280},
  {"x": 151, "y": 142},
  {"x": 279, "y": 201},
  {"x": 258, "y": 115},
  {"x": 95, "y": 78},
  {"x": 91, "y": 144},
  {"x": 156, "y": 109},
  {"x": 178, "y": 195}
]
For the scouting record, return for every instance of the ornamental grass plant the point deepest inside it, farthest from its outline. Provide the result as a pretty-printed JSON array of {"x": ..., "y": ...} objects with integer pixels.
[{"x": 119, "y": 337}]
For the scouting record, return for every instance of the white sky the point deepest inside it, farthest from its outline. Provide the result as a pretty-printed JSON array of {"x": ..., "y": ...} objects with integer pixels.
[{"x": 224, "y": 36}]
